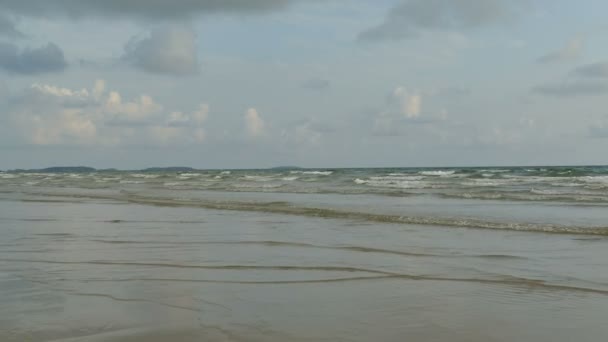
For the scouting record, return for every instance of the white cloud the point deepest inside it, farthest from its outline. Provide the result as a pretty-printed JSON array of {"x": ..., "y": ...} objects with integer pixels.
[
  {"x": 200, "y": 115},
  {"x": 59, "y": 127},
  {"x": 406, "y": 112},
  {"x": 254, "y": 123},
  {"x": 137, "y": 110},
  {"x": 99, "y": 89},
  {"x": 409, "y": 104},
  {"x": 51, "y": 115}
]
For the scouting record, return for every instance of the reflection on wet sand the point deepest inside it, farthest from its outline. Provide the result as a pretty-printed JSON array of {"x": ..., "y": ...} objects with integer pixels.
[{"x": 99, "y": 272}]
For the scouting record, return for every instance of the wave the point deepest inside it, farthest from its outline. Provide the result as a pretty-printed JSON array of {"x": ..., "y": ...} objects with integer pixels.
[
  {"x": 437, "y": 173},
  {"x": 258, "y": 178},
  {"x": 373, "y": 274},
  {"x": 393, "y": 183},
  {"x": 271, "y": 243},
  {"x": 319, "y": 173},
  {"x": 143, "y": 175},
  {"x": 186, "y": 174},
  {"x": 527, "y": 283},
  {"x": 288, "y": 208},
  {"x": 533, "y": 195},
  {"x": 131, "y": 182},
  {"x": 257, "y": 187}
]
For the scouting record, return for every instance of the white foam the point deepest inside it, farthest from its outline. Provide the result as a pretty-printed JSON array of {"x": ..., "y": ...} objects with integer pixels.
[
  {"x": 437, "y": 173},
  {"x": 256, "y": 186},
  {"x": 319, "y": 173},
  {"x": 486, "y": 182},
  {"x": 255, "y": 178},
  {"x": 142, "y": 175},
  {"x": 190, "y": 174},
  {"x": 130, "y": 182},
  {"x": 292, "y": 178},
  {"x": 392, "y": 177},
  {"x": 399, "y": 184},
  {"x": 570, "y": 184},
  {"x": 594, "y": 179},
  {"x": 546, "y": 192}
]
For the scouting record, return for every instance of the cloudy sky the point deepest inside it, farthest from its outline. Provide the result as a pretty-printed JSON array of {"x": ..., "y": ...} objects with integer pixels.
[{"x": 317, "y": 83}]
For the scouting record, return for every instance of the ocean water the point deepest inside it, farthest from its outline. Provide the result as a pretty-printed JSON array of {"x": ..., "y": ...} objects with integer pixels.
[{"x": 458, "y": 254}]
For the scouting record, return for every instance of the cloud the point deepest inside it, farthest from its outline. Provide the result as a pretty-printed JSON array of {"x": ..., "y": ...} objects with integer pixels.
[
  {"x": 8, "y": 29},
  {"x": 572, "y": 89},
  {"x": 453, "y": 92},
  {"x": 569, "y": 52},
  {"x": 4, "y": 91},
  {"x": 51, "y": 115},
  {"x": 403, "y": 109},
  {"x": 166, "y": 51},
  {"x": 139, "y": 9},
  {"x": 408, "y": 104},
  {"x": 138, "y": 110},
  {"x": 306, "y": 132},
  {"x": 316, "y": 84},
  {"x": 48, "y": 58},
  {"x": 254, "y": 123},
  {"x": 599, "y": 70},
  {"x": 411, "y": 17},
  {"x": 599, "y": 130},
  {"x": 200, "y": 115}
]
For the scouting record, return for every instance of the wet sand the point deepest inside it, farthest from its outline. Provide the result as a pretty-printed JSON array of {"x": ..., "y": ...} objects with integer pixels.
[{"x": 97, "y": 270}]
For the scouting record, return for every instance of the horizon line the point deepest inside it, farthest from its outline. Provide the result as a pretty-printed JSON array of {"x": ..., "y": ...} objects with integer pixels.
[{"x": 304, "y": 167}]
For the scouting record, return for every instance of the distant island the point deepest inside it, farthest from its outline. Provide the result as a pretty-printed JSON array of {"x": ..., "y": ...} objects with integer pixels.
[
  {"x": 169, "y": 169},
  {"x": 87, "y": 169},
  {"x": 286, "y": 168},
  {"x": 59, "y": 169}
]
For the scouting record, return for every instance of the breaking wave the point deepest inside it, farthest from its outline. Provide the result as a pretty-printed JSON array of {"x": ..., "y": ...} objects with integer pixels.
[{"x": 288, "y": 208}]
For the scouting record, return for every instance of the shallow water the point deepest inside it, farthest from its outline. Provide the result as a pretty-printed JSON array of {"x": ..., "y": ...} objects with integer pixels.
[{"x": 138, "y": 262}]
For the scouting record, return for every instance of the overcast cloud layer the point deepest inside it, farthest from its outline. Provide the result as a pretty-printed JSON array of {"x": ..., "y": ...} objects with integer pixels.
[
  {"x": 8, "y": 28},
  {"x": 240, "y": 83},
  {"x": 169, "y": 50},
  {"x": 144, "y": 9},
  {"x": 409, "y": 18},
  {"x": 46, "y": 58}
]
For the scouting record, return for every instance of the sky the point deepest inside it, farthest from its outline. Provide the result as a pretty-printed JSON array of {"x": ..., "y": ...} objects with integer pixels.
[{"x": 314, "y": 83}]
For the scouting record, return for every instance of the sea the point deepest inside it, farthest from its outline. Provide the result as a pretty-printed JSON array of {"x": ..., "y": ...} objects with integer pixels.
[{"x": 290, "y": 254}]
